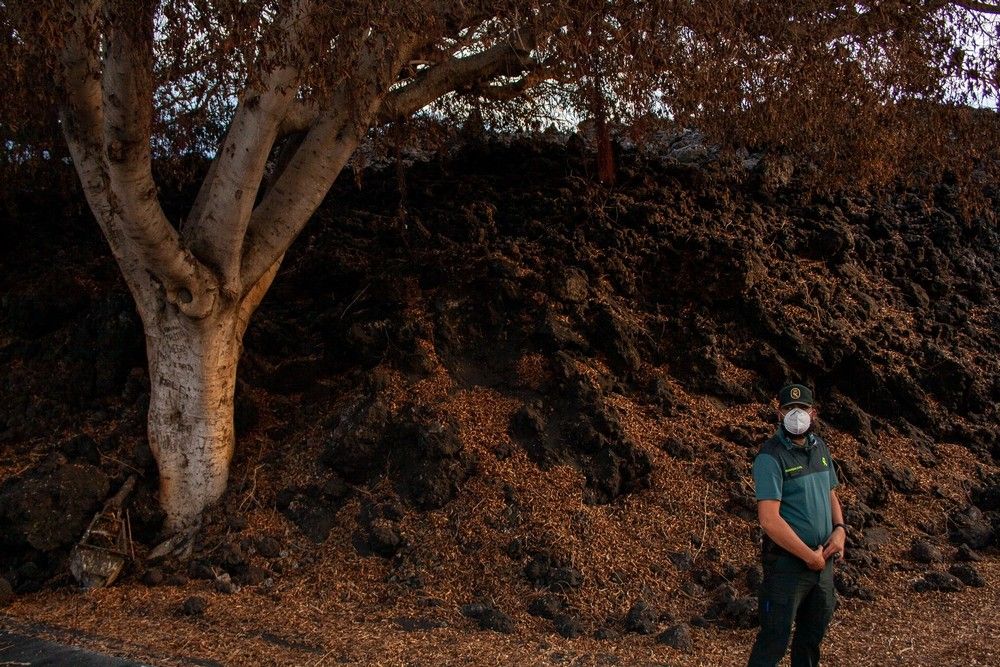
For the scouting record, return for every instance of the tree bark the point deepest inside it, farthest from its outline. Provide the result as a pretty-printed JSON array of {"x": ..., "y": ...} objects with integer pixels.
[{"x": 192, "y": 373}]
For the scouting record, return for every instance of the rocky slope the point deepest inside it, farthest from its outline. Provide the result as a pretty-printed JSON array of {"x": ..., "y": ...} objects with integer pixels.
[{"x": 497, "y": 392}]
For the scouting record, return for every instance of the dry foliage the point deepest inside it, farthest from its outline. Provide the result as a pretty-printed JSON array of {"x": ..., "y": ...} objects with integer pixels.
[{"x": 853, "y": 83}]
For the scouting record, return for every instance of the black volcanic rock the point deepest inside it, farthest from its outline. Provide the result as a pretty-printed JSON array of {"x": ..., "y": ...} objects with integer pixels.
[
  {"x": 967, "y": 574},
  {"x": 49, "y": 509},
  {"x": 489, "y": 617},
  {"x": 970, "y": 526},
  {"x": 677, "y": 636},
  {"x": 938, "y": 581}
]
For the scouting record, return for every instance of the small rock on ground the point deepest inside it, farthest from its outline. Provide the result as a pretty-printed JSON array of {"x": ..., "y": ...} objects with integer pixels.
[
  {"x": 194, "y": 606},
  {"x": 641, "y": 618},
  {"x": 923, "y": 551},
  {"x": 968, "y": 574},
  {"x": 489, "y": 617},
  {"x": 568, "y": 626},
  {"x": 938, "y": 581},
  {"x": 677, "y": 636}
]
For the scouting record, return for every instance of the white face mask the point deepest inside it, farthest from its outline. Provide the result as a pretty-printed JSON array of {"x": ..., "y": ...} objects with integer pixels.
[{"x": 797, "y": 421}]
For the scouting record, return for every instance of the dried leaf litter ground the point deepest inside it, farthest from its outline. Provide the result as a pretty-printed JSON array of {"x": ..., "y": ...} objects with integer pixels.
[{"x": 337, "y": 608}]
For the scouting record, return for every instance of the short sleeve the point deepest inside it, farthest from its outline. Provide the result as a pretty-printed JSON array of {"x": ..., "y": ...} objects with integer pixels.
[
  {"x": 767, "y": 477},
  {"x": 834, "y": 480}
]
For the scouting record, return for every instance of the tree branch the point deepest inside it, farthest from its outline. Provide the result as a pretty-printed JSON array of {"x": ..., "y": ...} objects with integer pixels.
[
  {"x": 255, "y": 294},
  {"x": 218, "y": 220},
  {"x": 127, "y": 103},
  {"x": 329, "y": 143},
  {"x": 509, "y": 58},
  {"x": 332, "y": 137},
  {"x": 82, "y": 118},
  {"x": 299, "y": 118},
  {"x": 973, "y": 5},
  {"x": 509, "y": 91},
  {"x": 298, "y": 192}
]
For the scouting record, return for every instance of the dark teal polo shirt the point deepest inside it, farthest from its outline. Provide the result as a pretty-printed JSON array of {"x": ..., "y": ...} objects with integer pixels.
[{"x": 801, "y": 477}]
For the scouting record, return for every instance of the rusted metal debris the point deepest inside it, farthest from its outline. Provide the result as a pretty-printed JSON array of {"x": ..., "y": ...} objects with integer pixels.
[{"x": 106, "y": 545}]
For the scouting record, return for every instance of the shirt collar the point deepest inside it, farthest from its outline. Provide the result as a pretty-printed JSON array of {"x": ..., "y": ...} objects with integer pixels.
[{"x": 786, "y": 441}]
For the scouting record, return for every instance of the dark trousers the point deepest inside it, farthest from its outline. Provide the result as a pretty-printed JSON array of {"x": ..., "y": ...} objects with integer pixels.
[{"x": 792, "y": 593}]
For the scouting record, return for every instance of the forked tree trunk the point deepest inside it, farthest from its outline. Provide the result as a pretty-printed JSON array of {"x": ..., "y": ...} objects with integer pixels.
[
  {"x": 196, "y": 286},
  {"x": 192, "y": 374}
]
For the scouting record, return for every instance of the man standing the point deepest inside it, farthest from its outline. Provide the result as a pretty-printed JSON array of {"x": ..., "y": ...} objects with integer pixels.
[{"x": 804, "y": 533}]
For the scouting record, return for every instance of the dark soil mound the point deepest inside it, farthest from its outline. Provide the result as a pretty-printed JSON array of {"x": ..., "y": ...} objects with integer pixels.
[{"x": 506, "y": 382}]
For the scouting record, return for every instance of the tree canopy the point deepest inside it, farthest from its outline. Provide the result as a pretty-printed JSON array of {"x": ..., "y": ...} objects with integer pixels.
[{"x": 811, "y": 74}]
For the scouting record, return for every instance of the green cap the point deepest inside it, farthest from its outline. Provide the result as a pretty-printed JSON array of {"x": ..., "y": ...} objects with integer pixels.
[{"x": 795, "y": 393}]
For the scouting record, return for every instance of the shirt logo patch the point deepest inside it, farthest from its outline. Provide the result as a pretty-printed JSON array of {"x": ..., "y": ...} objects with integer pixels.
[
  {"x": 824, "y": 461},
  {"x": 795, "y": 469}
]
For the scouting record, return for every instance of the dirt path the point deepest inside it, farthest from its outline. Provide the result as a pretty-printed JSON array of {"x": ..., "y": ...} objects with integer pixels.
[{"x": 899, "y": 628}]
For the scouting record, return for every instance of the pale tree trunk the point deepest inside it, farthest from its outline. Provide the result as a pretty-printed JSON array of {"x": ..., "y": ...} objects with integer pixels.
[{"x": 192, "y": 379}]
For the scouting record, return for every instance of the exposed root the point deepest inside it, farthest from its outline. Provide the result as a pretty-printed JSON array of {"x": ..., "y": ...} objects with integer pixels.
[{"x": 177, "y": 546}]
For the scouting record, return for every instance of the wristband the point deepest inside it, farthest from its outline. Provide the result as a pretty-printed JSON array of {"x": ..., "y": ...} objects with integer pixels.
[{"x": 840, "y": 525}]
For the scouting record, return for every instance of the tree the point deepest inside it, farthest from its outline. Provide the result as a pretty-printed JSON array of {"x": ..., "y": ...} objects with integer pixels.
[{"x": 283, "y": 92}]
